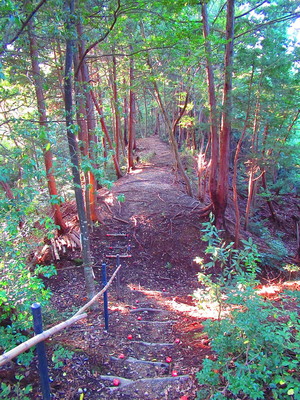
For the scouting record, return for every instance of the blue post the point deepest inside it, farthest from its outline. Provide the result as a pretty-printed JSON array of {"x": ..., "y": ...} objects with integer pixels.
[
  {"x": 118, "y": 283},
  {"x": 105, "y": 300},
  {"x": 41, "y": 351}
]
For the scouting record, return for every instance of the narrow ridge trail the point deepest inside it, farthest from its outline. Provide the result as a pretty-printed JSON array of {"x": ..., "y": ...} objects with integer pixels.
[{"x": 155, "y": 342}]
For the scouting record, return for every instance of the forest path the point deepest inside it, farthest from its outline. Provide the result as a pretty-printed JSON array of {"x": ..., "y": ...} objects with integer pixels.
[
  {"x": 151, "y": 199},
  {"x": 155, "y": 342}
]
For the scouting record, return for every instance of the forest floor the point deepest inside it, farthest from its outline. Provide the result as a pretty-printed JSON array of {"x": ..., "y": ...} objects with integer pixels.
[{"x": 155, "y": 342}]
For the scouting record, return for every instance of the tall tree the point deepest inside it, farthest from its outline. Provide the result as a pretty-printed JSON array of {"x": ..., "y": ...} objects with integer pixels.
[
  {"x": 73, "y": 148},
  {"x": 131, "y": 119},
  {"x": 225, "y": 133},
  {"x": 41, "y": 105}
]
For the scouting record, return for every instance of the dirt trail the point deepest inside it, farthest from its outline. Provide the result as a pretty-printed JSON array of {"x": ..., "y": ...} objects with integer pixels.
[{"x": 155, "y": 340}]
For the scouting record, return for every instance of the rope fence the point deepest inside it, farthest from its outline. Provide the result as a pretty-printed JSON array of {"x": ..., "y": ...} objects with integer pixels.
[{"x": 21, "y": 348}]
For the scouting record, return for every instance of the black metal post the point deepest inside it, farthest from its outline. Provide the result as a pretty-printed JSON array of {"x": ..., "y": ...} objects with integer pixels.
[
  {"x": 105, "y": 299},
  {"x": 118, "y": 280},
  {"x": 41, "y": 351}
]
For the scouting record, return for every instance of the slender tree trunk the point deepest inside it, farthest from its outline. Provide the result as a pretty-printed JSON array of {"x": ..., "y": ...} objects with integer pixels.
[
  {"x": 252, "y": 166},
  {"x": 91, "y": 125},
  {"x": 213, "y": 177},
  {"x": 131, "y": 125},
  {"x": 48, "y": 157},
  {"x": 235, "y": 167},
  {"x": 58, "y": 59},
  {"x": 116, "y": 109},
  {"x": 125, "y": 112},
  {"x": 225, "y": 134},
  {"x": 106, "y": 134},
  {"x": 174, "y": 146},
  {"x": 83, "y": 135},
  {"x": 84, "y": 230},
  {"x": 7, "y": 190},
  {"x": 264, "y": 178},
  {"x": 146, "y": 114}
]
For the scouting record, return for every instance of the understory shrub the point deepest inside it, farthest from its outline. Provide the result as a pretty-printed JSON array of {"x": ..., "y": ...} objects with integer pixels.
[
  {"x": 255, "y": 343},
  {"x": 21, "y": 284}
]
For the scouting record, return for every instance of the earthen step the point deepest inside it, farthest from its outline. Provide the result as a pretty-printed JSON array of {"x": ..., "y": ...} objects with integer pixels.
[
  {"x": 146, "y": 388},
  {"x": 134, "y": 368}
]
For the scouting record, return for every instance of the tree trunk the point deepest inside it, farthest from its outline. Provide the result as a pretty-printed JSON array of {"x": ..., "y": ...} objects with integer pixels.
[
  {"x": 7, "y": 190},
  {"x": 107, "y": 137},
  {"x": 48, "y": 157},
  {"x": 174, "y": 146},
  {"x": 91, "y": 188},
  {"x": 125, "y": 112},
  {"x": 116, "y": 109},
  {"x": 131, "y": 125},
  {"x": 85, "y": 240},
  {"x": 225, "y": 134},
  {"x": 252, "y": 166},
  {"x": 235, "y": 167},
  {"x": 213, "y": 177},
  {"x": 264, "y": 178}
]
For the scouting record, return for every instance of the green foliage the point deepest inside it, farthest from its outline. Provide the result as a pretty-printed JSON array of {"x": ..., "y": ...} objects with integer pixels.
[
  {"x": 15, "y": 391},
  {"x": 19, "y": 288},
  {"x": 121, "y": 198},
  {"x": 255, "y": 343},
  {"x": 168, "y": 266},
  {"x": 20, "y": 283},
  {"x": 256, "y": 352},
  {"x": 237, "y": 268},
  {"x": 278, "y": 251},
  {"x": 60, "y": 354}
]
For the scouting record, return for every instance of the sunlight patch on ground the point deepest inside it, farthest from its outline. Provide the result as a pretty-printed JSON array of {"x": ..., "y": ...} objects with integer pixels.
[
  {"x": 120, "y": 307},
  {"x": 273, "y": 291},
  {"x": 136, "y": 171},
  {"x": 209, "y": 311}
]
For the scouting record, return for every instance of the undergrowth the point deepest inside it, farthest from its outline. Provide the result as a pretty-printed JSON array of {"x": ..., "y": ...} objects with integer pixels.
[{"x": 255, "y": 343}]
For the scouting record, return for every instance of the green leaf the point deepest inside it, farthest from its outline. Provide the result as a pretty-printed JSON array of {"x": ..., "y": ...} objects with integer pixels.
[{"x": 48, "y": 146}]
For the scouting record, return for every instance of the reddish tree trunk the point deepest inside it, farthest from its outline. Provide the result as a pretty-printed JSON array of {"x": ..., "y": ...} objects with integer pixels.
[
  {"x": 213, "y": 177},
  {"x": 116, "y": 105},
  {"x": 225, "y": 134},
  {"x": 235, "y": 168},
  {"x": 105, "y": 131},
  {"x": 91, "y": 190},
  {"x": 48, "y": 157},
  {"x": 131, "y": 125},
  {"x": 125, "y": 112}
]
